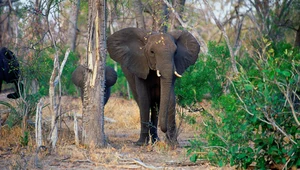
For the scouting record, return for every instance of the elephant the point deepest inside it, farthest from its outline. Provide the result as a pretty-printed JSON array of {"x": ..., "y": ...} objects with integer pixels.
[
  {"x": 151, "y": 62},
  {"x": 110, "y": 80},
  {"x": 10, "y": 71}
]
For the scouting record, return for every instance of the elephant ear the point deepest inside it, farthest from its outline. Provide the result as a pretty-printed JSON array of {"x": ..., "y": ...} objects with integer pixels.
[
  {"x": 127, "y": 48},
  {"x": 187, "y": 50}
]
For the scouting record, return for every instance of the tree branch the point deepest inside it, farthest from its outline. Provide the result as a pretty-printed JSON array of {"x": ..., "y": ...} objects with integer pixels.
[
  {"x": 202, "y": 43},
  {"x": 232, "y": 58}
]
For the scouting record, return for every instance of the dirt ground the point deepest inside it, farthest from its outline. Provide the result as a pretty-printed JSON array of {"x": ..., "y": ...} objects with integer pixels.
[{"x": 121, "y": 129}]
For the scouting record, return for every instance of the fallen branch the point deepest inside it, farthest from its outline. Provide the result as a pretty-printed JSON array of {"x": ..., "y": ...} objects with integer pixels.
[{"x": 137, "y": 161}]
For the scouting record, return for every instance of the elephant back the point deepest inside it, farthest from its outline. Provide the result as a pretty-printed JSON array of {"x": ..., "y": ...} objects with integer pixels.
[
  {"x": 110, "y": 76},
  {"x": 9, "y": 66},
  {"x": 78, "y": 76}
]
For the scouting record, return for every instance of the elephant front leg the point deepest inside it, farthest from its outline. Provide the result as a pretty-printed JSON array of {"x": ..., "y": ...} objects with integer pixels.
[
  {"x": 153, "y": 124},
  {"x": 144, "y": 134},
  {"x": 16, "y": 94},
  {"x": 144, "y": 107}
]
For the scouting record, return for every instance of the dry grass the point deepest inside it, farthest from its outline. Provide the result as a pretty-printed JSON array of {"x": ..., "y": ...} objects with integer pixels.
[{"x": 121, "y": 153}]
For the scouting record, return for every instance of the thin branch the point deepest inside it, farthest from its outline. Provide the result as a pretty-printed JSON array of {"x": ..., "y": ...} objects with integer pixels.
[
  {"x": 291, "y": 104},
  {"x": 245, "y": 106},
  {"x": 233, "y": 61},
  {"x": 204, "y": 48},
  {"x": 271, "y": 120},
  {"x": 135, "y": 160}
]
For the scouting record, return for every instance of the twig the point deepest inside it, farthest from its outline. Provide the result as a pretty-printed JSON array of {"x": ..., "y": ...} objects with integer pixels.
[
  {"x": 289, "y": 101},
  {"x": 232, "y": 60},
  {"x": 271, "y": 120},
  {"x": 245, "y": 106},
  {"x": 186, "y": 26},
  {"x": 135, "y": 160}
]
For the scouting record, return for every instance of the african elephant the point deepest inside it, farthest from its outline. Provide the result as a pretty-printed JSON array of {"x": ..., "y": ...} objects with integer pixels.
[
  {"x": 110, "y": 80},
  {"x": 151, "y": 62},
  {"x": 10, "y": 71}
]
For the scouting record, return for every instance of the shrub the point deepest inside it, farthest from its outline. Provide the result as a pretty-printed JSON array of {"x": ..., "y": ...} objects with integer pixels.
[{"x": 259, "y": 119}]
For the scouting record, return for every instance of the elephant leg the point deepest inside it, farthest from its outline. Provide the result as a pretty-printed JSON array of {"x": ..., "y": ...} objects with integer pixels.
[
  {"x": 144, "y": 107},
  {"x": 153, "y": 124},
  {"x": 106, "y": 94},
  {"x": 0, "y": 86},
  {"x": 144, "y": 120},
  {"x": 16, "y": 94}
]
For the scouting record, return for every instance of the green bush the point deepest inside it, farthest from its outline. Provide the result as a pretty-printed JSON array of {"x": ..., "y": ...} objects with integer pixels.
[
  {"x": 40, "y": 69},
  {"x": 257, "y": 124},
  {"x": 205, "y": 77}
]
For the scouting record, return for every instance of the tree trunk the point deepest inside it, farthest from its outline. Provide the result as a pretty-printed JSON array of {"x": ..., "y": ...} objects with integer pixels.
[
  {"x": 93, "y": 101},
  {"x": 160, "y": 16},
  {"x": 297, "y": 40},
  {"x": 179, "y": 8},
  {"x": 137, "y": 7},
  {"x": 73, "y": 24}
]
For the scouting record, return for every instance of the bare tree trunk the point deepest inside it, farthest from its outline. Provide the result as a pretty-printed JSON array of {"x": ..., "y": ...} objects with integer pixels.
[
  {"x": 76, "y": 129},
  {"x": 93, "y": 101},
  {"x": 38, "y": 124},
  {"x": 73, "y": 24},
  {"x": 55, "y": 99},
  {"x": 297, "y": 39},
  {"x": 137, "y": 7}
]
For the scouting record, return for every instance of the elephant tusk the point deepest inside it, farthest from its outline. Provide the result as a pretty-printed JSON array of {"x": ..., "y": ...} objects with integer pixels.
[
  {"x": 157, "y": 73},
  {"x": 178, "y": 75}
]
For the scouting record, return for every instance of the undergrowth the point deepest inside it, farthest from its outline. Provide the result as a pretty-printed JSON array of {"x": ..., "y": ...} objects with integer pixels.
[{"x": 259, "y": 115}]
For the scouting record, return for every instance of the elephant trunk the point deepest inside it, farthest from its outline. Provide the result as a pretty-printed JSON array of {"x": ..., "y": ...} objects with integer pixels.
[{"x": 166, "y": 97}]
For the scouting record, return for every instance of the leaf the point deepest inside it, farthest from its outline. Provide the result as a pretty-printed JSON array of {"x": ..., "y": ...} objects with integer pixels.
[
  {"x": 286, "y": 73},
  {"x": 248, "y": 87},
  {"x": 220, "y": 163},
  {"x": 194, "y": 157},
  {"x": 241, "y": 156}
]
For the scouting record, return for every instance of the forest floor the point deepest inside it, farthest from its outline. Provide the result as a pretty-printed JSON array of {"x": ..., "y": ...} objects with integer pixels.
[{"x": 122, "y": 130}]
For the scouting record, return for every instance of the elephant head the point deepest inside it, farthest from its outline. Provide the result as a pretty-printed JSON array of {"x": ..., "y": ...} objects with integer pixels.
[
  {"x": 141, "y": 52},
  {"x": 110, "y": 80},
  {"x": 10, "y": 71}
]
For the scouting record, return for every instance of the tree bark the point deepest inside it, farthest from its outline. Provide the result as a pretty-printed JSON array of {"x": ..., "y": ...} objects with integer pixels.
[
  {"x": 297, "y": 39},
  {"x": 73, "y": 24},
  {"x": 160, "y": 16},
  {"x": 93, "y": 100},
  {"x": 179, "y": 8},
  {"x": 138, "y": 11}
]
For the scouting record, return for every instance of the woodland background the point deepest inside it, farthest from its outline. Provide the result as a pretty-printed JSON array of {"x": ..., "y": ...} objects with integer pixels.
[{"x": 248, "y": 68}]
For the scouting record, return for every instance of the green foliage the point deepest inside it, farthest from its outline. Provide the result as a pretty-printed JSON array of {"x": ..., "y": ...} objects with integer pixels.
[
  {"x": 40, "y": 69},
  {"x": 24, "y": 139},
  {"x": 67, "y": 85},
  {"x": 254, "y": 123},
  {"x": 205, "y": 77},
  {"x": 121, "y": 85}
]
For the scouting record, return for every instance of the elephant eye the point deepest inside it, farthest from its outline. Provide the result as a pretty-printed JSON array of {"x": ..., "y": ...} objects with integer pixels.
[{"x": 152, "y": 51}]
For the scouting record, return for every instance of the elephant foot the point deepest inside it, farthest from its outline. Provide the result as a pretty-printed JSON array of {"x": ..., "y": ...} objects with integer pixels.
[
  {"x": 14, "y": 95},
  {"x": 144, "y": 139},
  {"x": 171, "y": 139},
  {"x": 154, "y": 139},
  {"x": 141, "y": 142}
]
